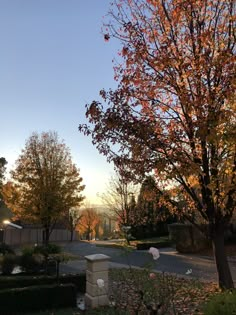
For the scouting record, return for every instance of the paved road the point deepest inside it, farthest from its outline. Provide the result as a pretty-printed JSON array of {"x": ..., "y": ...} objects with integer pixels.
[{"x": 169, "y": 261}]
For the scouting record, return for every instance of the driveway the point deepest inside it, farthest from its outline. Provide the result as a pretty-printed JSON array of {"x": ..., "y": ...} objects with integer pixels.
[{"x": 170, "y": 261}]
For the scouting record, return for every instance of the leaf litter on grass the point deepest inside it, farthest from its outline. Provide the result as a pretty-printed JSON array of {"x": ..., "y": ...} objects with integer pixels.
[{"x": 135, "y": 291}]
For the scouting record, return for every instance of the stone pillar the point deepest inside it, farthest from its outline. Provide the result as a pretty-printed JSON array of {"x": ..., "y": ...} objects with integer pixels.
[{"x": 97, "y": 268}]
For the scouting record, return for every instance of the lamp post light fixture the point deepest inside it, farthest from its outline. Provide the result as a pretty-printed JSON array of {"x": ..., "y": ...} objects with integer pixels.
[{"x": 7, "y": 222}]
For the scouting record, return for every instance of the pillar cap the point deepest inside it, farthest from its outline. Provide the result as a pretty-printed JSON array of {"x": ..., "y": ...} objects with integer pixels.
[{"x": 97, "y": 257}]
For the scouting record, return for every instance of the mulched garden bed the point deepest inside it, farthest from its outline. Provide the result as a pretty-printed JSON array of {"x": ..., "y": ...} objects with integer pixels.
[{"x": 134, "y": 291}]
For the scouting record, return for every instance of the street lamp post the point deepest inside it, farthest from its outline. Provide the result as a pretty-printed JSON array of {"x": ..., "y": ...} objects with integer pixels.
[{"x": 7, "y": 222}]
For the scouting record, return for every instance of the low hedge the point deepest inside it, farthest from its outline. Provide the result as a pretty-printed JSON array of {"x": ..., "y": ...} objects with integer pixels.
[
  {"x": 19, "y": 281},
  {"x": 6, "y": 249},
  {"x": 79, "y": 280},
  {"x": 8, "y": 262},
  {"x": 145, "y": 246},
  {"x": 36, "y": 298},
  {"x": 222, "y": 303}
]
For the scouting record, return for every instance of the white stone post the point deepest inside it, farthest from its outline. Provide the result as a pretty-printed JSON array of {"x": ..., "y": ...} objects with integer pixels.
[{"x": 97, "y": 268}]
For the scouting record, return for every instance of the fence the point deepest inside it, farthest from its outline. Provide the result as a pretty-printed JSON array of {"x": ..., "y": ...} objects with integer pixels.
[{"x": 26, "y": 236}]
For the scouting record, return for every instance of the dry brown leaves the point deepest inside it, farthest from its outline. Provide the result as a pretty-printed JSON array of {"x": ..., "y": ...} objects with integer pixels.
[{"x": 178, "y": 295}]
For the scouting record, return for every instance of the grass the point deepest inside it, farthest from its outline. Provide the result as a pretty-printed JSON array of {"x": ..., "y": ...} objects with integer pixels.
[
  {"x": 114, "y": 245},
  {"x": 158, "y": 239},
  {"x": 162, "y": 241},
  {"x": 73, "y": 256}
]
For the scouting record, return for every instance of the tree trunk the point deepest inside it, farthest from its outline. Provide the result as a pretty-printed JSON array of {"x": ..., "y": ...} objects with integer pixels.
[
  {"x": 222, "y": 265},
  {"x": 71, "y": 234},
  {"x": 88, "y": 236},
  {"x": 46, "y": 235}
]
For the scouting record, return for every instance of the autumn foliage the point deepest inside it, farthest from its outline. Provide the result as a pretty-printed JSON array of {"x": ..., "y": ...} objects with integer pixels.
[
  {"x": 89, "y": 223},
  {"x": 174, "y": 109},
  {"x": 3, "y": 163},
  {"x": 45, "y": 183}
]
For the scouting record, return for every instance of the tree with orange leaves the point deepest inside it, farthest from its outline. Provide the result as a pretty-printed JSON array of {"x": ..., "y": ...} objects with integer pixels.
[
  {"x": 89, "y": 221},
  {"x": 45, "y": 184},
  {"x": 3, "y": 163},
  {"x": 174, "y": 110}
]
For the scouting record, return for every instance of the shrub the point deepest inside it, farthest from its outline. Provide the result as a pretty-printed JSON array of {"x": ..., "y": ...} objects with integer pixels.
[
  {"x": 145, "y": 246},
  {"x": 44, "y": 250},
  {"x": 48, "y": 249},
  {"x": 222, "y": 303},
  {"x": 188, "y": 238},
  {"x": 79, "y": 280},
  {"x": 28, "y": 250},
  {"x": 8, "y": 263},
  {"x": 36, "y": 258},
  {"x": 147, "y": 231},
  {"x": 6, "y": 249},
  {"x": 18, "y": 281},
  {"x": 37, "y": 298},
  {"x": 30, "y": 263}
]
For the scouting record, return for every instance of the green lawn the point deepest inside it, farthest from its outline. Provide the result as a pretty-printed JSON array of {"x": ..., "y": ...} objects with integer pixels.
[
  {"x": 162, "y": 241},
  {"x": 159, "y": 239}
]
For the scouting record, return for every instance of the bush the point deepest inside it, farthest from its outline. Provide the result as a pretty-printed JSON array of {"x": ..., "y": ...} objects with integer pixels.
[
  {"x": 30, "y": 263},
  {"x": 147, "y": 231},
  {"x": 6, "y": 249},
  {"x": 18, "y": 281},
  {"x": 36, "y": 258},
  {"x": 8, "y": 263},
  {"x": 145, "y": 246},
  {"x": 222, "y": 303},
  {"x": 28, "y": 250},
  {"x": 34, "y": 298},
  {"x": 44, "y": 250},
  {"x": 78, "y": 280},
  {"x": 188, "y": 238},
  {"x": 48, "y": 249}
]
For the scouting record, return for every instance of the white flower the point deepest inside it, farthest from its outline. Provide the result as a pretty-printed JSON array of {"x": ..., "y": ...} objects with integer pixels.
[
  {"x": 100, "y": 283},
  {"x": 155, "y": 252},
  {"x": 188, "y": 272}
]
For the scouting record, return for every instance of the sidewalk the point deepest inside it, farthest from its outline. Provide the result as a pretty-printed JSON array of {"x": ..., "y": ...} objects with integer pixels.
[{"x": 79, "y": 266}]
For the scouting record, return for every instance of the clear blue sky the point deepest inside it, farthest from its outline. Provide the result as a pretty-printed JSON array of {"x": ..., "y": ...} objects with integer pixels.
[{"x": 53, "y": 61}]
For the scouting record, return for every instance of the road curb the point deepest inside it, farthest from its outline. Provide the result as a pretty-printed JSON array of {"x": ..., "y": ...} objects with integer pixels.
[{"x": 231, "y": 259}]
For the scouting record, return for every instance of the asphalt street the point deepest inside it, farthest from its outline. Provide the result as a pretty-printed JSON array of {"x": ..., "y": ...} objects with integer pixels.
[{"x": 170, "y": 261}]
